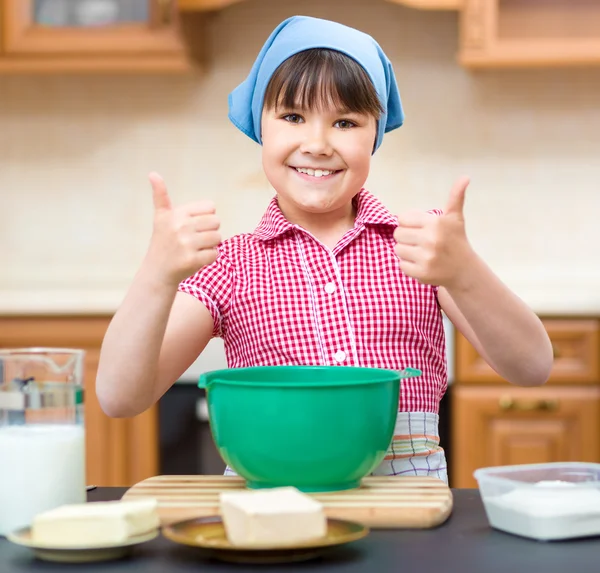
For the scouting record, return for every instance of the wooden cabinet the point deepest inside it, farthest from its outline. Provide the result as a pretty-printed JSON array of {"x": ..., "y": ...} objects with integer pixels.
[
  {"x": 494, "y": 423},
  {"x": 51, "y": 36},
  {"x": 502, "y": 425},
  {"x": 527, "y": 33},
  {"x": 430, "y": 4},
  {"x": 205, "y": 5},
  {"x": 575, "y": 342},
  {"x": 201, "y": 5},
  {"x": 119, "y": 452},
  {"x": 91, "y": 35},
  {"x": 505, "y": 33}
]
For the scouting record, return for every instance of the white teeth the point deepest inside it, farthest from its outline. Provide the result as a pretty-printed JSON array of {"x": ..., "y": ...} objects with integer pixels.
[{"x": 314, "y": 172}]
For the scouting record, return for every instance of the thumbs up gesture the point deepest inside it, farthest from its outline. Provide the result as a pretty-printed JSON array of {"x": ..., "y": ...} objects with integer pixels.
[
  {"x": 183, "y": 238},
  {"x": 434, "y": 248}
]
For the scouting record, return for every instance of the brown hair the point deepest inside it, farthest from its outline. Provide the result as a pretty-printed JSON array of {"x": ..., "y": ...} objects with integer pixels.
[{"x": 320, "y": 77}]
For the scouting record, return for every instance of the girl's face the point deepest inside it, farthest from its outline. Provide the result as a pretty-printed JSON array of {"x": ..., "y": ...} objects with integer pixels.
[{"x": 316, "y": 160}]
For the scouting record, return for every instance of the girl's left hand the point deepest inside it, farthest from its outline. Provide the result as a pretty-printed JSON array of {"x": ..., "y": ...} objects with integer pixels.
[{"x": 434, "y": 248}]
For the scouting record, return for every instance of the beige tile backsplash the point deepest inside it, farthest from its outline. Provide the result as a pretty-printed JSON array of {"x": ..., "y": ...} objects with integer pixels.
[{"x": 75, "y": 205}]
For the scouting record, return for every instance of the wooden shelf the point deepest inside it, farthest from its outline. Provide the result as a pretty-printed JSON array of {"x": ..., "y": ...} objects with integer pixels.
[
  {"x": 204, "y": 5},
  {"x": 88, "y": 65},
  {"x": 431, "y": 4}
]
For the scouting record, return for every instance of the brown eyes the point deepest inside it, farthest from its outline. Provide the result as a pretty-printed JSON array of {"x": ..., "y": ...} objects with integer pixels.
[
  {"x": 340, "y": 123},
  {"x": 345, "y": 124},
  {"x": 292, "y": 118}
]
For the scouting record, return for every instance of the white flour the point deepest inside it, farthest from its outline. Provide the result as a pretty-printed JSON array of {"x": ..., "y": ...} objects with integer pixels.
[{"x": 550, "y": 510}]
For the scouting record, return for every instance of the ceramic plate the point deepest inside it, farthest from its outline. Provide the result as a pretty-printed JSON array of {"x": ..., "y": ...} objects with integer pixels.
[
  {"x": 79, "y": 554},
  {"x": 208, "y": 533}
]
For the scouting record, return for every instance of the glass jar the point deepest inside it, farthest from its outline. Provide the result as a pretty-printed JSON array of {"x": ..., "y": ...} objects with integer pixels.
[{"x": 42, "y": 434}]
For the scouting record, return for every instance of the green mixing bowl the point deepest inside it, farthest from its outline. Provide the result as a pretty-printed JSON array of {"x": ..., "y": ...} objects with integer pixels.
[{"x": 318, "y": 428}]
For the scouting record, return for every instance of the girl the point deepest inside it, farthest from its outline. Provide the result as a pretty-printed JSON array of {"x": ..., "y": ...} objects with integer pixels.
[{"x": 329, "y": 276}]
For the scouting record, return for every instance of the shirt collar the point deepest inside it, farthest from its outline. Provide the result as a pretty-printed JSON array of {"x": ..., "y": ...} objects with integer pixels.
[{"x": 370, "y": 211}]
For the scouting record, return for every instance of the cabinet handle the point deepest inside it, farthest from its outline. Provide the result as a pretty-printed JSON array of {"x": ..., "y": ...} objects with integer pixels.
[
  {"x": 506, "y": 404},
  {"x": 165, "y": 11}
]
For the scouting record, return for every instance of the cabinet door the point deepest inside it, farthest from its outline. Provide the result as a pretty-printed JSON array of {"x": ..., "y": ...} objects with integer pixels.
[
  {"x": 119, "y": 452},
  {"x": 521, "y": 33},
  {"x": 575, "y": 344},
  {"x": 90, "y": 28},
  {"x": 505, "y": 425}
]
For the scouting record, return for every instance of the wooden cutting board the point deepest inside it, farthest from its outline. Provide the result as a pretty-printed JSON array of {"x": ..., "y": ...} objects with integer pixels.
[{"x": 385, "y": 502}]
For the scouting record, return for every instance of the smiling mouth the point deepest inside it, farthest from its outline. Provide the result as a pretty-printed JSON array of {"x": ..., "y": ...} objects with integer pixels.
[{"x": 316, "y": 173}]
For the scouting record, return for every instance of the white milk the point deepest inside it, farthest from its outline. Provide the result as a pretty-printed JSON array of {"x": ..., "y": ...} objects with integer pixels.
[{"x": 42, "y": 466}]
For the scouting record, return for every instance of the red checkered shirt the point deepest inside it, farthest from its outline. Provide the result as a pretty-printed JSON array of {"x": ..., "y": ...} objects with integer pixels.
[{"x": 278, "y": 296}]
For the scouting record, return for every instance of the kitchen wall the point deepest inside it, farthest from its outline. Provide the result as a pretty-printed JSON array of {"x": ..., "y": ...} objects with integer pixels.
[{"x": 75, "y": 205}]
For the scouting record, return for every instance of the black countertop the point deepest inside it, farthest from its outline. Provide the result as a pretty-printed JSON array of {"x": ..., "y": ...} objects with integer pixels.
[{"x": 465, "y": 544}]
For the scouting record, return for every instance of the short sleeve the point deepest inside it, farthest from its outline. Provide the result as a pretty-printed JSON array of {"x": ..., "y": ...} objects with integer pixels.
[{"x": 212, "y": 285}]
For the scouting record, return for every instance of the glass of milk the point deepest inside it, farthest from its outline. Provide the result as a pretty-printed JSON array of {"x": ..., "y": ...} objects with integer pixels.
[{"x": 42, "y": 436}]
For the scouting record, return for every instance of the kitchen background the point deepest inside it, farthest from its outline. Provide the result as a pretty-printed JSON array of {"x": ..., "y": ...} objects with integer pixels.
[{"x": 75, "y": 151}]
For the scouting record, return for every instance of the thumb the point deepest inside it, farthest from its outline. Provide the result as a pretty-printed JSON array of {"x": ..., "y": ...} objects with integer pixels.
[
  {"x": 160, "y": 196},
  {"x": 456, "y": 201}
]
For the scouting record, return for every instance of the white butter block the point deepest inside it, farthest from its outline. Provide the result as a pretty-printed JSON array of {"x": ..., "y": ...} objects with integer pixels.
[
  {"x": 271, "y": 517},
  {"x": 95, "y": 523}
]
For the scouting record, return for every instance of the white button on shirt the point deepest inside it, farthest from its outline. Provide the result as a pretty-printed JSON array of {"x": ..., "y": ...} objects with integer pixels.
[
  {"x": 330, "y": 288},
  {"x": 340, "y": 356}
]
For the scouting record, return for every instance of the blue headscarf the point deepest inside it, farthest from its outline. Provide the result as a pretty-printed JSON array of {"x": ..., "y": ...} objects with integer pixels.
[{"x": 300, "y": 33}]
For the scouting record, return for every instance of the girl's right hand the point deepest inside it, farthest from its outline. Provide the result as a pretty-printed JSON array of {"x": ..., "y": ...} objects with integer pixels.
[{"x": 184, "y": 239}]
